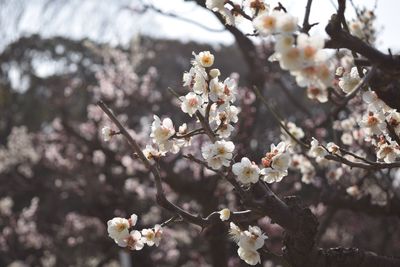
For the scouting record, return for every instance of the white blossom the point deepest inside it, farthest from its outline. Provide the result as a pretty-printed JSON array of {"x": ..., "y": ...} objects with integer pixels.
[
  {"x": 304, "y": 165},
  {"x": 234, "y": 232},
  {"x": 290, "y": 59},
  {"x": 6, "y": 204},
  {"x": 225, "y": 130},
  {"x": 152, "y": 153},
  {"x": 251, "y": 257},
  {"x": 393, "y": 118},
  {"x": 286, "y": 23},
  {"x": 270, "y": 175},
  {"x": 152, "y": 236},
  {"x": 266, "y": 23},
  {"x": 135, "y": 240},
  {"x": 252, "y": 239},
  {"x": 356, "y": 28},
  {"x": 276, "y": 162},
  {"x": 310, "y": 46},
  {"x": 225, "y": 214},
  {"x": 294, "y": 130},
  {"x": 316, "y": 150},
  {"x": 107, "y": 133},
  {"x": 283, "y": 43},
  {"x": 373, "y": 101},
  {"x": 246, "y": 171},
  {"x": 216, "y": 89},
  {"x": 191, "y": 103},
  {"x": 317, "y": 93},
  {"x": 214, "y": 73},
  {"x": 347, "y": 138},
  {"x": 349, "y": 80},
  {"x": 133, "y": 220},
  {"x": 353, "y": 191},
  {"x": 161, "y": 133},
  {"x": 204, "y": 59},
  {"x": 333, "y": 148},
  {"x": 388, "y": 152},
  {"x": 218, "y": 154},
  {"x": 373, "y": 123},
  {"x": 117, "y": 229}
]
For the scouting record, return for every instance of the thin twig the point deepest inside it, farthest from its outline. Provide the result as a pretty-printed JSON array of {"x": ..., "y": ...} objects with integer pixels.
[
  {"x": 147, "y": 7},
  {"x": 161, "y": 198},
  {"x": 306, "y": 24},
  {"x": 278, "y": 119}
]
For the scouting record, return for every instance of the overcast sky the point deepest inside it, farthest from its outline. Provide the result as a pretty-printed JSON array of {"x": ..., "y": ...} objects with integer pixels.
[{"x": 108, "y": 21}]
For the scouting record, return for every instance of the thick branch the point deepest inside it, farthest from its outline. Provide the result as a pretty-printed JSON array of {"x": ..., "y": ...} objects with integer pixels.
[{"x": 343, "y": 39}]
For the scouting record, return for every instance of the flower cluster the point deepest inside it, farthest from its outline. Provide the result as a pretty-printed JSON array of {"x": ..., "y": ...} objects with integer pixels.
[
  {"x": 275, "y": 166},
  {"x": 249, "y": 241},
  {"x": 218, "y": 154},
  {"x": 305, "y": 58},
  {"x": 375, "y": 124},
  {"x": 275, "y": 163},
  {"x": 303, "y": 55},
  {"x": 363, "y": 27},
  {"x": 208, "y": 98},
  {"x": 118, "y": 229}
]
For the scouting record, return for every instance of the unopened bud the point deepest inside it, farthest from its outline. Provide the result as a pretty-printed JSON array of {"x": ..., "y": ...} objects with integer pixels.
[{"x": 215, "y": 73}]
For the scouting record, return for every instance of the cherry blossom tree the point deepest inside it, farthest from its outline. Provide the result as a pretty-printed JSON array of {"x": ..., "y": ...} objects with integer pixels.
[{"x": 293, "y": 164}]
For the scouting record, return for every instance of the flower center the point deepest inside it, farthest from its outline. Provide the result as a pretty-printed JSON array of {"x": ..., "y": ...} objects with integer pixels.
[
  {"x": 372, "y": 120},
  {"x": 309, "y": 52},
  {"x": 269, "y": 22},
  {"x": 121, "y": 227},
  {"x": 193, "y": 102}
]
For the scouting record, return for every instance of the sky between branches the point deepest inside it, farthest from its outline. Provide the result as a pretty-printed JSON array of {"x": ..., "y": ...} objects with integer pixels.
[{"x": 109, "y": 21}]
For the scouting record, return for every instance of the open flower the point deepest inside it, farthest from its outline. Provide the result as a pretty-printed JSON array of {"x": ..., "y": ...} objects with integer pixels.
[
  {"x": 266, "y": 23},
  {"x": 152, "y": 153},
  {"x": 246, "y": 171},
  {"x": 316, "y": 150},
  {"x": 218, "y": 154},
  {"x": 191, "y": 103},
  {"x": 152, "y": 236},
  {"x": 373, "y": 123},
  {"x": 117, "y": 229},
  {"x": 134, "y": 240},
  {"x": 161, "y": 133},
  {"x": 204, "y": 59},
  {"x": 320, "y": 94},
  {"x": 309, "y": 46},
  {"x": 388, "y": 152}
]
